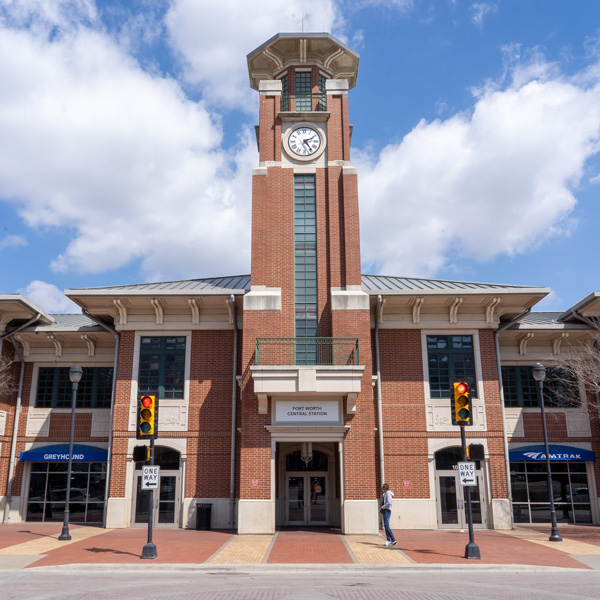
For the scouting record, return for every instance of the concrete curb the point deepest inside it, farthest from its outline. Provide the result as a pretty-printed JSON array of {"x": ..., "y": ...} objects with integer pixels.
[{"x": 299, "y": 568}]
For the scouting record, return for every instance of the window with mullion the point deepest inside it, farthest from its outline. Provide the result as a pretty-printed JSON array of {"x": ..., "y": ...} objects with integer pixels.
[
  {"x": 285, "y": 102},
  {"x": 303, "y": 90},
  {"x": 520, "y": 388},
  {"x": 55, "y": 389},
  {"x": 450, "y": 357},
  {"x": 322, "y": 93},
  {"x": 162, "y": 367}
]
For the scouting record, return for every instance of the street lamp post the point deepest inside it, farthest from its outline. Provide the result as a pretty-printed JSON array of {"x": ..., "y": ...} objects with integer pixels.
[
  {"x": 539, "y": 374},
  {"x": 75, "y": 373}
]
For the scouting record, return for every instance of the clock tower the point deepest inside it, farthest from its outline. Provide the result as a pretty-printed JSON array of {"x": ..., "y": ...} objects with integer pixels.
[{"x": 307, "y": 416}]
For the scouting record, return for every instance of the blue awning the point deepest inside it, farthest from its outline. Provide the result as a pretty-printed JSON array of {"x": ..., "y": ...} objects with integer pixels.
[
  {"x": 60, "y": 453},
  {"x": 557, "y": 452}
]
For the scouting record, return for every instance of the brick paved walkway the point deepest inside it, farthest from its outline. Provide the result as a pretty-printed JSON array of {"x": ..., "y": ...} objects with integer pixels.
[{"x": 35, "y": 545}]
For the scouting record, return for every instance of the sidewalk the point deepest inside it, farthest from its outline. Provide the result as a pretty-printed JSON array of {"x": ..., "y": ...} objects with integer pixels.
[{"x": 31, "y": 545}]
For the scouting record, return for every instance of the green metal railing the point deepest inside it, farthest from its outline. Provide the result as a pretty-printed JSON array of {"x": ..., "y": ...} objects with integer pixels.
[
  {"x": 304, "y": 102},
  {"x": 306, "y": 351}
]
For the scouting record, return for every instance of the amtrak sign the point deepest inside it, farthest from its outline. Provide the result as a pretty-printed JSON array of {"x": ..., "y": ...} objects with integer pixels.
[{"x": 557, "y": 453}]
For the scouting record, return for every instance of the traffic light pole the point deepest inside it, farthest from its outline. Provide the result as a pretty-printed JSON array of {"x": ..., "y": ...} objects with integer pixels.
[
  {"x": 471, "y": 549},
  {"x": 149, "y": 550}
]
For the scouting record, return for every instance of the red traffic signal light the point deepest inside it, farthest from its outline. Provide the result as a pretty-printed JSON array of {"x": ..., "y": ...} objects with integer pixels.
[
  {"x": 461, "y": 404},
  {"x": 147, "y": 422}
]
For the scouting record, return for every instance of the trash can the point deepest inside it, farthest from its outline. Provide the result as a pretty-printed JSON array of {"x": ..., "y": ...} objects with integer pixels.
[{"x": 203, "y": 516}]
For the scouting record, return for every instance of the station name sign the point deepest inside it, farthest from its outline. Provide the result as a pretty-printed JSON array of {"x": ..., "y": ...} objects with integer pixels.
[{"x": 291, "y": 411}]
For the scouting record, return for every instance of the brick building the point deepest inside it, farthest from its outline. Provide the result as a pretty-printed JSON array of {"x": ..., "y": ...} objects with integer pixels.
[{"x": 288, "y": 396}]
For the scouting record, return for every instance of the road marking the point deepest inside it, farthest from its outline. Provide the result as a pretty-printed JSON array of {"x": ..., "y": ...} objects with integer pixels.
[
  {"x": 369, "y": 549},
  {"x": 567, "y": 546},
  {"x": 243, "y": 549},
  {"x": 47, "y": 543}
]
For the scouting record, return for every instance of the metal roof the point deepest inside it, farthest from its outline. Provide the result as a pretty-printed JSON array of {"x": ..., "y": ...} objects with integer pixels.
[
  {"x": 546, "y": 319},
  {"x": 375, "y": 284},
  {"x": 372, "y": 284},
  {"x": 64, "y": 322},
  {"x": 212, "y": 285}
]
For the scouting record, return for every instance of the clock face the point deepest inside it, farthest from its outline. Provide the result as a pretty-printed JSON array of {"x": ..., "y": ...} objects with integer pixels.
[{"x": 304, "y": 141}]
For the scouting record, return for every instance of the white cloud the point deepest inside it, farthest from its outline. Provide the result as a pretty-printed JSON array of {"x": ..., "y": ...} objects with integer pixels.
[
  {"x": 119, "y": 158},
  {"x": 49, "y": 298},
  {"x": 11, "y": 241},
  {"x": 480, "y": 10},
  {"x": 499, "y": 180},
  {"x": 213, "y": 38}
]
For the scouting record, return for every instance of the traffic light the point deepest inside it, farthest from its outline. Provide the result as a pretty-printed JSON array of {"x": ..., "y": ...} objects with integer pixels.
[
  {"x": 475, "y": 452},
  {"x": 147, "y": 422},
  {"x": 461, "y": 404},
  {"x": 141, "y": 454}
]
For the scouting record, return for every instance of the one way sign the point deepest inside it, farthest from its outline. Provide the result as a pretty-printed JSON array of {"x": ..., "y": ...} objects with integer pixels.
[
  {"x": 466, "y": 473},
  {"x": 150, "y": 477}
]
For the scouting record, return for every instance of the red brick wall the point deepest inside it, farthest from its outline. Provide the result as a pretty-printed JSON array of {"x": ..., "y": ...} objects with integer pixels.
[
  {"x": 404, "y": 419},
  {"x": 209, "y": 416}
]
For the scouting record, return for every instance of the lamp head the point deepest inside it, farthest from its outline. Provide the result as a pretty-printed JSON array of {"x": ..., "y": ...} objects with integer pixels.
[
  {"x": 539, "y": 372},
  {"x": 75, "y": 373}
]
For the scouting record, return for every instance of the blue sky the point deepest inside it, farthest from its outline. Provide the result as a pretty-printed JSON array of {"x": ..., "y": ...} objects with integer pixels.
[{"x": 126, "y": 139}]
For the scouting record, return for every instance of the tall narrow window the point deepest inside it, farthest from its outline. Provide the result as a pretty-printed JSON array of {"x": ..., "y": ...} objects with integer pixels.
[
  {"x": 162, "y": 366},
  {"x": 322, "y": 105},
  {"x": 303, "y": 90},
  {"x": 285, "y": 93},
  {"x": 450, "y": 357},
  {"x": 305, "y": 267}
]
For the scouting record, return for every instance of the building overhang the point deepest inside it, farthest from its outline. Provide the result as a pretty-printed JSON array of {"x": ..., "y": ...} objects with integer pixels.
[
  {"x": 320, "y": 49},
  {"x": 307, "y": 381}
]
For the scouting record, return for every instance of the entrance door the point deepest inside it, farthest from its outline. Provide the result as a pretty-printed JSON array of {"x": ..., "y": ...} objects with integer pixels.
[
  {"x": 307, "y": 499},
  {"x": 452, "y": 502},
  {"x": 166, "y": 501}
]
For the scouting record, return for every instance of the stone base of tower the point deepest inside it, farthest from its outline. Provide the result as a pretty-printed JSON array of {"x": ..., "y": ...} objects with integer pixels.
[
  {"x": 256, "y": 516},
  {"x": 360, "y": 517}
]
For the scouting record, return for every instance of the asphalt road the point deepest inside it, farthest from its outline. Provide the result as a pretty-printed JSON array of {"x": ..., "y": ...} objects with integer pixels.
[{"x": 299, "y": 584}]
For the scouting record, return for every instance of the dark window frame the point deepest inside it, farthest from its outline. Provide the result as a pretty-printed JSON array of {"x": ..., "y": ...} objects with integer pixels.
[
  {"x": 439, "y": 381},
  {"x": 561, "y": 390},
  {"x": 55, "y": 390},
  {"x": 154, "y": 377}
]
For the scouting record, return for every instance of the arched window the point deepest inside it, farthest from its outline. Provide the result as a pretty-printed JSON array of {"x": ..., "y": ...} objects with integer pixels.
[
  {"x": 294, "y": 462},
  {"x": 165, "y": 458},
  {"x": 446, "y": 459}
]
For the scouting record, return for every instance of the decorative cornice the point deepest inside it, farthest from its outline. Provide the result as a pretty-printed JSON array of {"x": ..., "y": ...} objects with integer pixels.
[
  {"x": 57, "y": 341},
  {"x": 490, "y": 309},
  {"x": 417, "y": 304},
  {"x": 90, "y": 340},
  {"x": 454, "y": 303},
  {"x": 122, "y": 308},
  {"x": 158, "y": 309},
  {"x": 195, "y": 305},
  {"x": 523, "y": 341},
  {"x": 557, "y": 340}
]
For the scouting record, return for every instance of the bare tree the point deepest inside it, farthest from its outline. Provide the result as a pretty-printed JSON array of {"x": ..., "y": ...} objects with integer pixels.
[
  {"x": 8, "y": 376},
  {"x": 582, "y": 362}
]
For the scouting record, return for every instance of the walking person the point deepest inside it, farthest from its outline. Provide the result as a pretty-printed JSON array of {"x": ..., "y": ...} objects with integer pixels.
[{"x": 386, "y": 511}]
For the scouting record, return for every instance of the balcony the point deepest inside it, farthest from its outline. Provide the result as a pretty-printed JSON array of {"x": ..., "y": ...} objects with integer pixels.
[
  {"x": 307, "y": 367},
  {"x": 306, "y": 351},
  {"x": 304, "y": 102}
]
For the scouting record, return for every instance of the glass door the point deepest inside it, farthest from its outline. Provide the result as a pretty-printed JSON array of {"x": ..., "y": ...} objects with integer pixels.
[
  {"x": 452, "y": 502},
  {"x": 165, "y": 513},
  {"x": 307, "y": 500}
]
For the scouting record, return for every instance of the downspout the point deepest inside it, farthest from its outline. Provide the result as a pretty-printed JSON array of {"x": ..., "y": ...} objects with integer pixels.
[
  {"x": 18, "y": 408},
  {"x": 231, "y": 302},
  {"x": 112, "y": 408},
  {"x": 497, "y": 333},
  {"x": 378, "y": 318}
]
